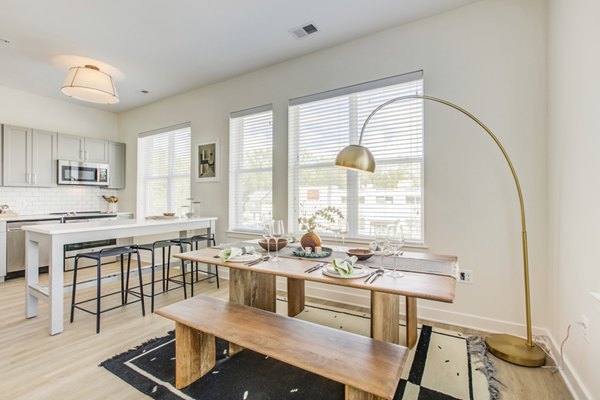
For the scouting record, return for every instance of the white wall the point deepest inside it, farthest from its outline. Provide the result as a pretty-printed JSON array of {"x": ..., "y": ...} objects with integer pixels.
[
  {"x": 574, "y": 182},
  {"x": 33, "y": 111},
  {"x": 488, "y": 57}
]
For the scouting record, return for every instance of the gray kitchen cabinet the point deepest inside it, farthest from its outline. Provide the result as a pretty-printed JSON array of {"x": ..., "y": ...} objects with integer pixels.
[
  {"x": 79, "y": 148},
  {"x": 116, "y": 165},
  {"x": 28, "y": 157}
]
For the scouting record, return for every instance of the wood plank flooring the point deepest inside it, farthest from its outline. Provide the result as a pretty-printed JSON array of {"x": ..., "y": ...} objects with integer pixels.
[{"x": 34, "y": 365}]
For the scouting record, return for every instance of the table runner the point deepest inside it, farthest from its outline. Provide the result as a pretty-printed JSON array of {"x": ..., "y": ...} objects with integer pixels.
[{"x": 403, "y": 263}]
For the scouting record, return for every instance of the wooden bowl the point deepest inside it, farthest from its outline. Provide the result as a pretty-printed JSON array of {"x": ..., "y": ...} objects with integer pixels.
[
  {"x": 281, "y": 243},
  {"x": 361, "y": 254},
  {"x": 169, "y": 214}
]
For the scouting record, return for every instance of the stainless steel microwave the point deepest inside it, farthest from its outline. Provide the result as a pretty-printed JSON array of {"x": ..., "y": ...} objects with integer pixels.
[{"x": 82, "y": 173}]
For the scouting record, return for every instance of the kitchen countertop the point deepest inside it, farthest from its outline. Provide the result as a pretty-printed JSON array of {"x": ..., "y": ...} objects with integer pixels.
[{"x": 51, "y": 217}]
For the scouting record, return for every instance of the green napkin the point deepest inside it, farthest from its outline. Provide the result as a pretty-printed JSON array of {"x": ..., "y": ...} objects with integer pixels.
[
  {"x": 344, "y": 267},
  {"x": 232, "y": 252},
  {"x": 373, "y": 246}
]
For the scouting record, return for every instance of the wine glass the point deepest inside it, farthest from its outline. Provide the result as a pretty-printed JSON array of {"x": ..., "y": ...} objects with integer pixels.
[
  {"x": 277, "y": 233},
  {"x": 343, "y": 229},
  {"x": 267, "y": 230},
  {"x": 381, "y": 238},
  {"x": 396, "y": 242}
]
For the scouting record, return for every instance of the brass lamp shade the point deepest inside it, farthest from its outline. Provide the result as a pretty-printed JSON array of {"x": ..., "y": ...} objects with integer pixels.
[
  {"x": 90, "y": 84},
  {"x": 356, "y": 157}
]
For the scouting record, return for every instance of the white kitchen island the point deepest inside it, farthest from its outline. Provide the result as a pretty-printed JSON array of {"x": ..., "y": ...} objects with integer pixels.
[{"x": 57, "y": 235}]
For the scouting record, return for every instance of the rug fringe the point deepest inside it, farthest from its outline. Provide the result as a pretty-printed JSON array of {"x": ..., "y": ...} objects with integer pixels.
[
  {"x": 136, "y": 348},
  {"x": 476, "y": 347}
]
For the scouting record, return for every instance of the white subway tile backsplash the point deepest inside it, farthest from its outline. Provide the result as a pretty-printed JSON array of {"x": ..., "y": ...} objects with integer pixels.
[{"x": 31, "y": 201}]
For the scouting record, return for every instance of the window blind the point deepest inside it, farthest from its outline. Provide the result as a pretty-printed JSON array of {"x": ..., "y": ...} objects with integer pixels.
[
  {"x": 164, "y": 167},
  {"x": 250, "y": 168},
  {"x": 321, "y": 125}
]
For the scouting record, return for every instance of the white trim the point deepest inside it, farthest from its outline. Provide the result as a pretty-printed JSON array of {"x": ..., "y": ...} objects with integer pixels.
[
  {"x": 250, "y": 111},
  {"x": 183, "y": 125}
]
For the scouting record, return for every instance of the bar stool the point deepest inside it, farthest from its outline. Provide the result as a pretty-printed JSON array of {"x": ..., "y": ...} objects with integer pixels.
[
  {"x": 153, "y": 247},
  {"x": 97, "y": 256},
  {"x": 193, "y": 243}
]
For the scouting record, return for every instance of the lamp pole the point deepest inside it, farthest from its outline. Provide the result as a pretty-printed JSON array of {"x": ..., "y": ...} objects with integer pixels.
[{"x": 507, "y": 347}]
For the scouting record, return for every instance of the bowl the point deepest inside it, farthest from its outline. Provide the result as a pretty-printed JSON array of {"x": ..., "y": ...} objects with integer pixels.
[
  {"x": 281, "y": 243},
  {"x": 169, "y": 214},
  {"x": 361, "y": 254}
]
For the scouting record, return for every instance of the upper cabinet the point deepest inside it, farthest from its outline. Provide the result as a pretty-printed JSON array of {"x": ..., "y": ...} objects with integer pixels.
[
  {"x": 28, "y": 157},
  {"x": 116, "y": 165},
  {"x": 78, "y": 148}
]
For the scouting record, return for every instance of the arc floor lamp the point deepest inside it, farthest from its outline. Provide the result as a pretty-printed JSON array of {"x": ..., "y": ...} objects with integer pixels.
[{"x": 507, "y": 347}]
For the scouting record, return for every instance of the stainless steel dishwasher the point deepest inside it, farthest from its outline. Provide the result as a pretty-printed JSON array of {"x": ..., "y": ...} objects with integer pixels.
[{"x": 15, "y": 245}]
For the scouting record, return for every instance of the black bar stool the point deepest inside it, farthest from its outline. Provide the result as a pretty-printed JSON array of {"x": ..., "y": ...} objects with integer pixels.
[
  {"x": 193, "y": 243},
  {"x": 153, "y": 247},
  {"x": 97, "y": 256}
]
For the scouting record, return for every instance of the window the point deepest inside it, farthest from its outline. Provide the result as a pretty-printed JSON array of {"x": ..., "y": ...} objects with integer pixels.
[
  {"x": 164, "y": 168},
  {"x": 250, "y": 168},
  {"x": 321, "y": 125}
]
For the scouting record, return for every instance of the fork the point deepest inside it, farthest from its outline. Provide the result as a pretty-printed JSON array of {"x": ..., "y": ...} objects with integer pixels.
[
  {"x": 314, "y": 268},
  {"x": 257, "y": 261},
  {"x": 374, "y": 276}
]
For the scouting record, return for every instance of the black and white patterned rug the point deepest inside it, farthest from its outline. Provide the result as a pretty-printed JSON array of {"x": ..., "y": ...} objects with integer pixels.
[{"x": 438, "y": 368}]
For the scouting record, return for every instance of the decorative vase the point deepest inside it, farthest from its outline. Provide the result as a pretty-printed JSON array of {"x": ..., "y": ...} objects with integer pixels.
[
  {"x": 310, "y": 239},
  {"x": 112, "y": 208}
]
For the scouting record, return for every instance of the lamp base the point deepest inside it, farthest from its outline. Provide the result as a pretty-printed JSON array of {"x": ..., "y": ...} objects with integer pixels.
[{"x": 515, "y": 350}]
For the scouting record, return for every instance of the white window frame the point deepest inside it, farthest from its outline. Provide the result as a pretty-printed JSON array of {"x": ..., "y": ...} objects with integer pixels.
[
  {"x": 142, "y": 209},
  {"x": 352, "y": 182},
  {"x": 236, "y": 174}
]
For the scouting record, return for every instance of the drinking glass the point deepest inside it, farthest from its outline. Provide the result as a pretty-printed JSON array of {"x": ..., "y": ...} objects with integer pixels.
[
  {"x": 277, "y": 233},
  {"x": 343, "y": 229},
  {"x": 267, "y": 233},
  {"x": 381, "y": 238},
  {"x": 396, "y": 242}
]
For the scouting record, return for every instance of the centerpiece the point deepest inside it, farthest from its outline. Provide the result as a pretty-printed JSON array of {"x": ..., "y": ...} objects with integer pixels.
[{"x": 319, "y": 219}]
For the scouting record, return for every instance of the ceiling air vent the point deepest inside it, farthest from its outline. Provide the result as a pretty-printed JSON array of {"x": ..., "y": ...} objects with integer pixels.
[{"x": 304, "y": 30}]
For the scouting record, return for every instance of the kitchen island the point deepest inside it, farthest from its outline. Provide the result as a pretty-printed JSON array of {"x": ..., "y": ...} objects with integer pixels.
[{"x": 56, "y": 236}]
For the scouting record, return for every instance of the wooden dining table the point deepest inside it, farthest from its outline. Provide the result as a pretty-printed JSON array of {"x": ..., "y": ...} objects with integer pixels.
[{"x": 255, "y": 285}]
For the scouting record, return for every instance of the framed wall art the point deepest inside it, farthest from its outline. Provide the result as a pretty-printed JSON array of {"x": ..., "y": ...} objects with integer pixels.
[{"x": 208, "y": 160}]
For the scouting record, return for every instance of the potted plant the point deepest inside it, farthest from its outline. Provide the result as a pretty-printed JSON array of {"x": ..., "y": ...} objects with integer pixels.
[{"x": 319, "y": 219}]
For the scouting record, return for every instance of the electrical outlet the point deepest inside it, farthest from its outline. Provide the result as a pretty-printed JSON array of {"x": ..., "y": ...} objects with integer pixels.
[
  {"x": 585, "y": 322},
  {"x": 466, "y": 276}
]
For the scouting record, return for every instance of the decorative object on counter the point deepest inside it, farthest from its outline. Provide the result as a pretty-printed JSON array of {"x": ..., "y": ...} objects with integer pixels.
[
  {"x": 322, "y": 218},
  {"x": 112, "y": 204},
  {"x": 507, "y": 347},
  {"x": 192, "y": 210},
  {"x": 281, "y": 243},
  {"x": 168, "y": 214},
  {"x": 207, "y": 162},
  {"x": 300, "y": 252},
  {"x": 89, "y": 84},
  {"x": 6, "y": 212},
  {"x": 360, "y": 254}
]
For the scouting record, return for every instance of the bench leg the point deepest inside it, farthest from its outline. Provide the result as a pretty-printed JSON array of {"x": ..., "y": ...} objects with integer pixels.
[
  {"x": 195, "y": 355},
  {"x": 385, "y": 317},
  {"x": 295, "y": 293},
  {"x": 411, "y": 322},
  {"x": 353, "y": 393}
]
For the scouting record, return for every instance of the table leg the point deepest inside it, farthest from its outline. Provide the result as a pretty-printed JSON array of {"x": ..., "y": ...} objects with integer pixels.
[
  {"x": 295, "y": 294},
  {"x": 56, "y": 287},
  {"x": 32, "y": 275},
  {"x": 385, "y": 317},
  {"x": 411, "y": 322},
  {"x": 251, "y": 289},
  {"x": 195, "y": 355}
]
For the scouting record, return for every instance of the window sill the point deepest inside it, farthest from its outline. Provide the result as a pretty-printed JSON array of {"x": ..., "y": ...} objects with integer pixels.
[{"x": 595, "y": 295}]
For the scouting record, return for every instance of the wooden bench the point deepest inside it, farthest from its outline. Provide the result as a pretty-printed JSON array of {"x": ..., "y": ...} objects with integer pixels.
[{"x": 369, "y": 368}]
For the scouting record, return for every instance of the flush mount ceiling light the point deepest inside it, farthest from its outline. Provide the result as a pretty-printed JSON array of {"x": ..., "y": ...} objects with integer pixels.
[{"x": 90, "y": 84}]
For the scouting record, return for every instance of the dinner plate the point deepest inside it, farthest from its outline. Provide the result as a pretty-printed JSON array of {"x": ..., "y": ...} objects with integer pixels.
[
  {"x": 244, "y": 258},
  {"x": 359, "y": 272}
]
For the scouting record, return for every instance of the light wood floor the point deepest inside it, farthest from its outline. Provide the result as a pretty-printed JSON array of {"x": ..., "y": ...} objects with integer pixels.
[{"x": 34, "y": 365}]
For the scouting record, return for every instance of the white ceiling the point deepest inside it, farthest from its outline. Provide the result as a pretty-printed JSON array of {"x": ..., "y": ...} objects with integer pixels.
[{"x": 169, "y": 47}]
